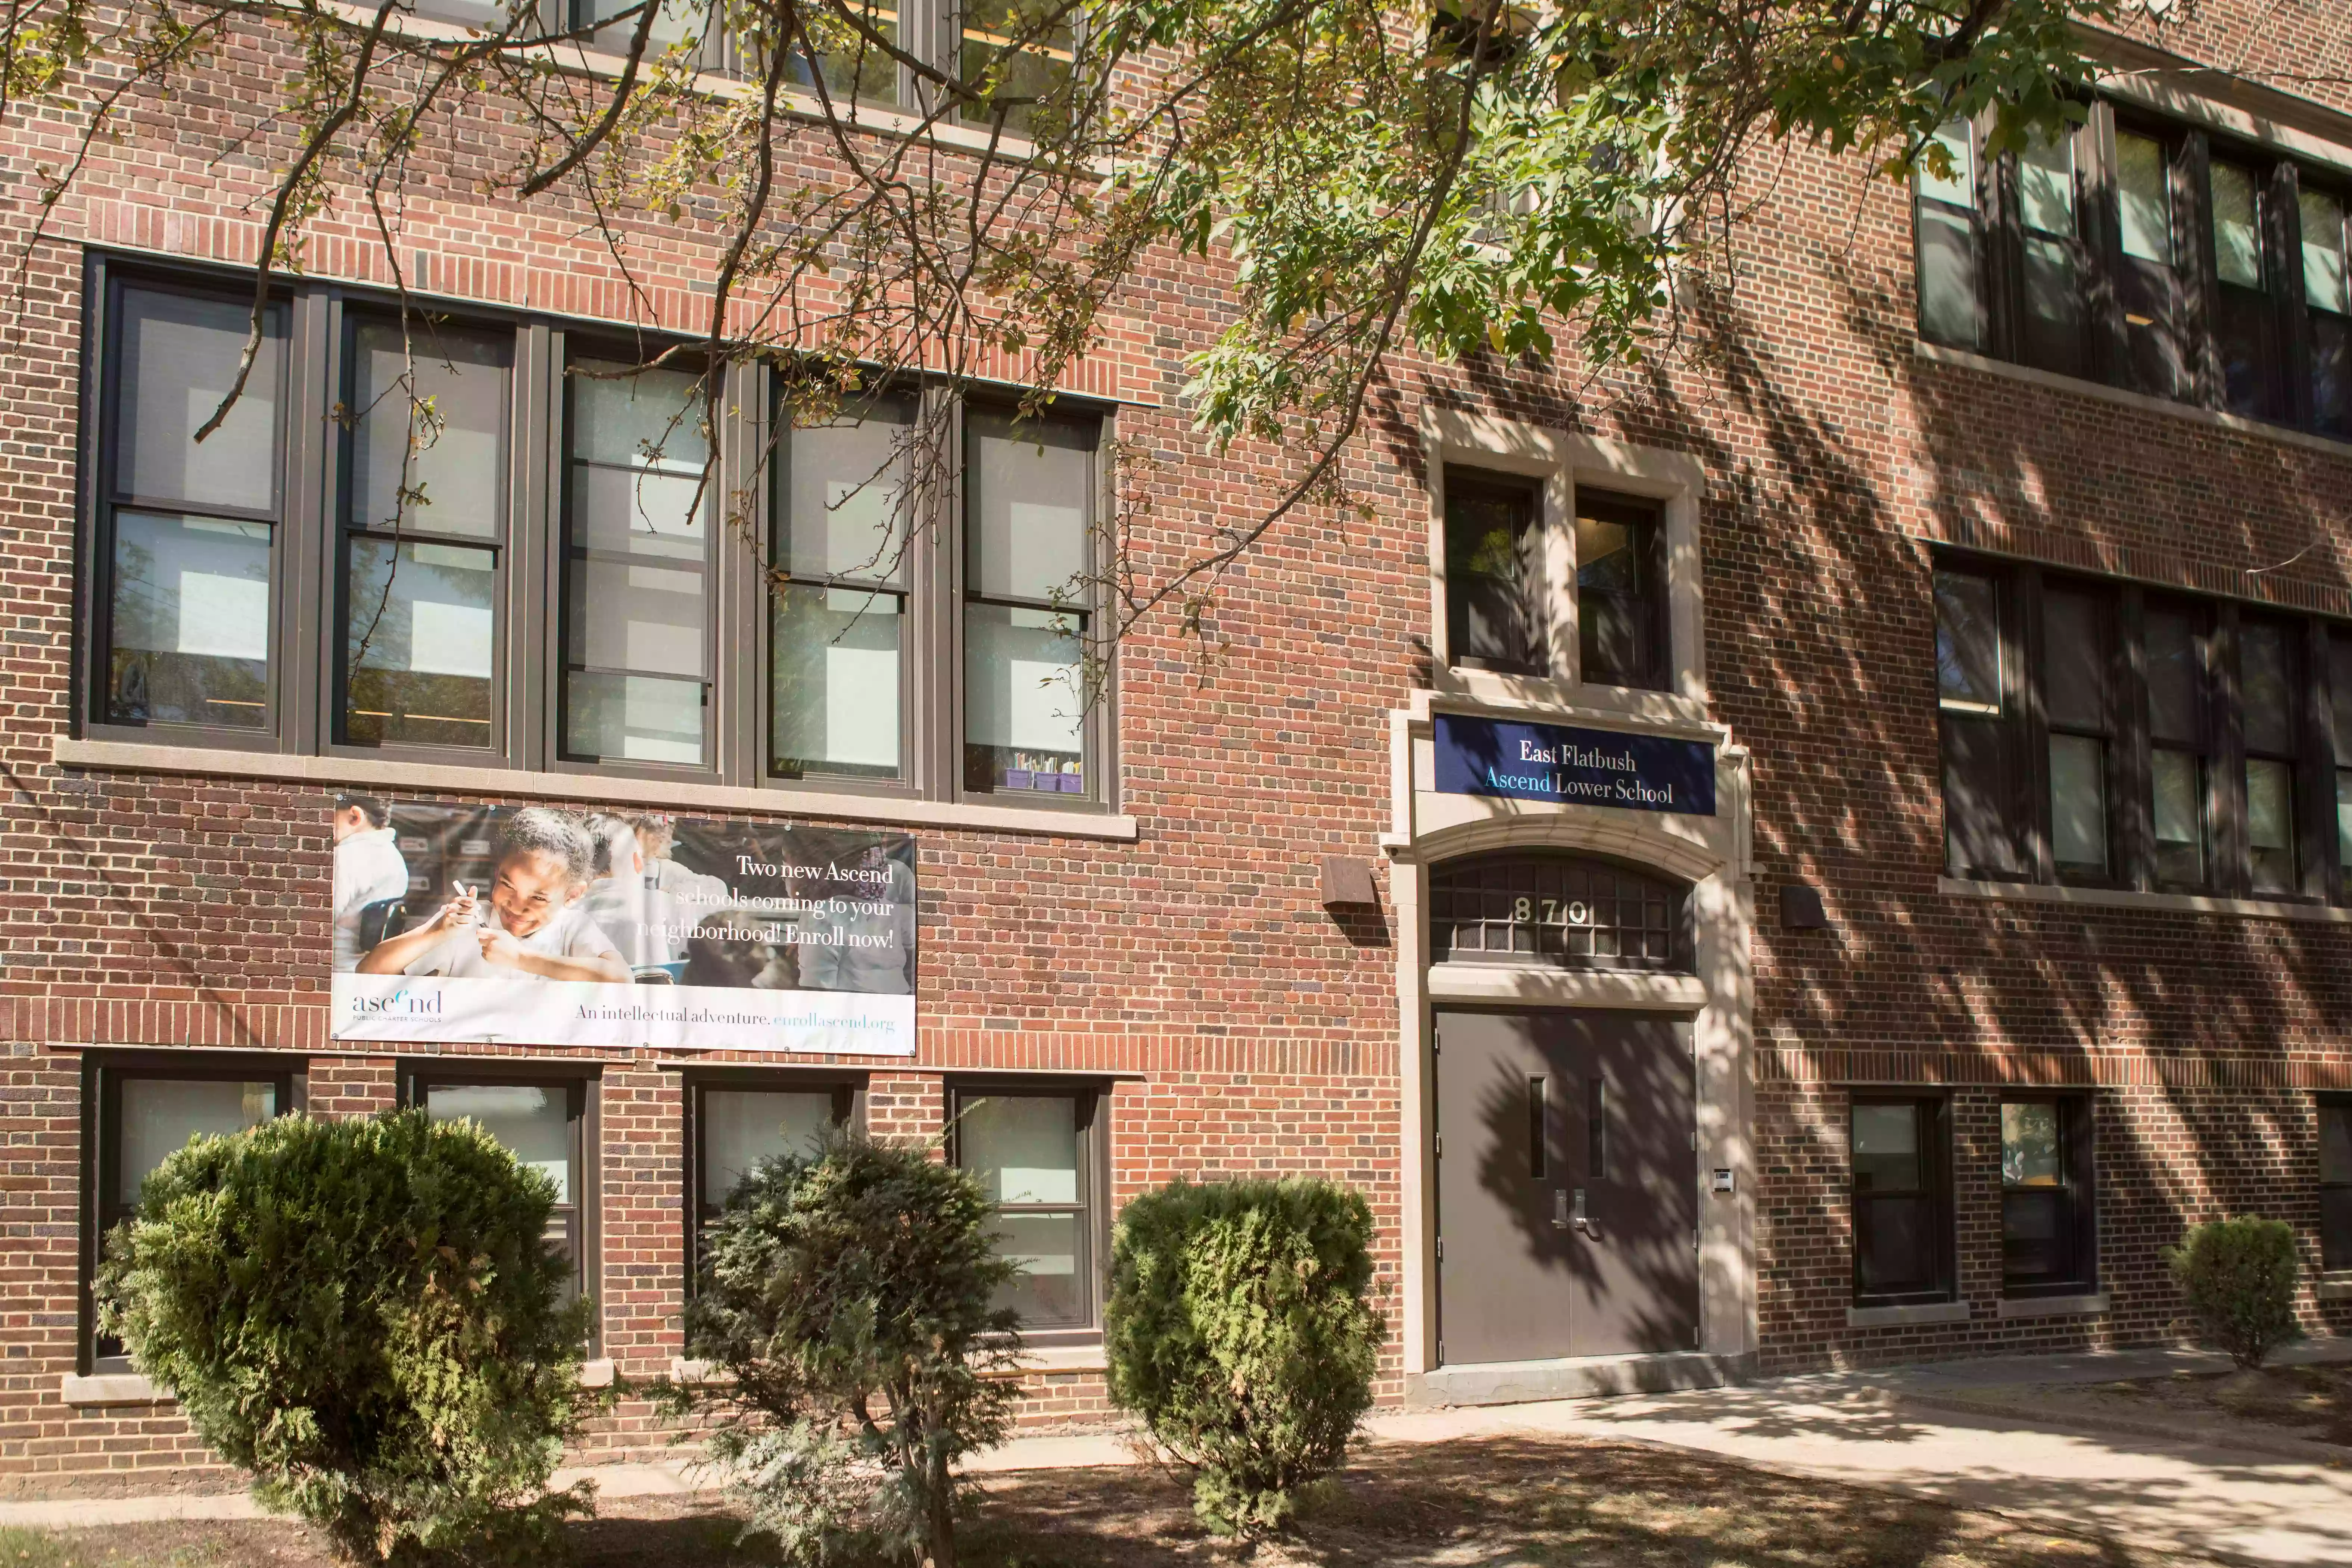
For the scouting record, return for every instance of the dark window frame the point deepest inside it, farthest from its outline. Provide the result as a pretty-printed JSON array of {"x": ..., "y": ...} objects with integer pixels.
[
  {"x": 1933, "y": 1108},
  {"x": 2335, "y": 1213},
  {"x": 1534, "y": 658},
  {"x": 1093, "y": 1101},
  {"x": 99, "y": 1205},
  {"x": 307, "y": 640},
  {"x": 1647, "y": 514},
  {"x": 848, "y": 1091},
  {"x": 2076, "y": 1199},
  {"x": 2160, "y": 328},
  {"x": 2021, "y": 733},
  {"x": 582, "y": 1084}
]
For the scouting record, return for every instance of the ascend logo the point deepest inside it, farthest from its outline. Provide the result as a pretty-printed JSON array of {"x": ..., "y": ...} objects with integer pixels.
[{"x": 404, "y": 1001}]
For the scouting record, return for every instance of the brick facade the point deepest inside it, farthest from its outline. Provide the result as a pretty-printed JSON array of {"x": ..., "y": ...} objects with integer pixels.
[{"x": 1238, "y": 1025}]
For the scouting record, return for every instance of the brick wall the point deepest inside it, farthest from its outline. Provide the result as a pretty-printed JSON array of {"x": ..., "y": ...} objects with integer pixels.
[{"x": 1247, "y": 1028}]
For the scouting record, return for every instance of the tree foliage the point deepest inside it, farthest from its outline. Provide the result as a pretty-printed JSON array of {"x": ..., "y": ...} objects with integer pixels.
[
  {"x": 1239, "y": 1328},
  {"x": 364, "y": 1315},
  {"x": 846, "y": 1302},
  {"x": 1457, "y": 178},
  {"x": 2239, "y": 1277}
]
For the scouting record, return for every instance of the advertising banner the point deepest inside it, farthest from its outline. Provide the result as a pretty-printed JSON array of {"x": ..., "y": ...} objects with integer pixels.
[
  {"x": 1571, "y": 765},
  {"x": 543, "y": 926}
]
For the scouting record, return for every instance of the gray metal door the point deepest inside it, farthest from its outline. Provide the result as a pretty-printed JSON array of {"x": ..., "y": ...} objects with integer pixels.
[{"x": 1566, "y": 1186}]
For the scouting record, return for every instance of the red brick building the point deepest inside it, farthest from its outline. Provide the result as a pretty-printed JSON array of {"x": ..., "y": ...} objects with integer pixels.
[{"x": 1836, "y": 854}]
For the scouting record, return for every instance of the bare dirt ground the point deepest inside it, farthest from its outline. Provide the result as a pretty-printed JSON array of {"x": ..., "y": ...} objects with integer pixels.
[
  {"x": 2311, "y": 1404},
  {"x": 1526, "y": 1502}
]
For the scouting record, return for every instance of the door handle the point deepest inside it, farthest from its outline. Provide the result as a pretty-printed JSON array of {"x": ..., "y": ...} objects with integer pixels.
[
  {"x": 1582, "y": 1221},
  {"x": 1559, "y": 1220}
]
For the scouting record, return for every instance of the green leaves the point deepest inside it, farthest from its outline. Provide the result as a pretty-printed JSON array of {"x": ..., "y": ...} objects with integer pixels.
[{"x": 363, "y": 1315}]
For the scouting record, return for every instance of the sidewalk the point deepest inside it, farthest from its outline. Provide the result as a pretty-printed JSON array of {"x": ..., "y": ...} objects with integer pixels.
[{"x": 1886, "y": 1429}]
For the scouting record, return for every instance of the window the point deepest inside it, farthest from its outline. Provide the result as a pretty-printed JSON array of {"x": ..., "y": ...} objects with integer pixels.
[
  {"x": 1035, "y": 1157},
  {"x": 837, "y": 615},
  {"x": 2327, "y": 302},
  {"x": 1902, "y": 1201},
  {"x": 1972, "y": 706},
  {"x": 737, "y": 1122},
  {"x": 1028, "y": 527},
  {"x": 637, "y": 565},
  {"x": 1022, "y": 52},
  {"x": 1621, "y": 591},
  {"x": 2268, "y": 688},
  {"x": 849, "y": 62},
  {"x": 2050, "y": 259},
  {"x": 424, "y": 504},
  {"x": 2336, "y": 1182},
  {"x": 2151, "y": 256},
  {"x": 1493, "y": 575},
  {"x": 2339, "y": 716},
  {"x": 1948, "y": 245},
  {"x": 547, "y": 1126},
  {"x": 189, "y": 529},
  {"x": 2078, "y": 663},
  {"x": 2048, "y": 1234},
  {"x": 2178, "y": 667},
  {"x": 515, "y": 546},
  {"x": 1567, "y": 911},
  {"x": 145, "y": 1113},
  {"x": 2244, "y": 333}
]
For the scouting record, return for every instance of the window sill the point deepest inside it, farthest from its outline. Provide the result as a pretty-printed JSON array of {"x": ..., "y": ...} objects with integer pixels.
[
  {"x": 101, "y": 1389},
  {"x": 2154, "y": 903},
  {"x": 1904, "y": 1316},
  {"x": 2335, "y": 1286},
  {"x": 67, "y": 752},
  {"x": 2261, "y": 430},
  {"x": 1664, "y": 711},
  {"x": 2087, "y": 1306}
]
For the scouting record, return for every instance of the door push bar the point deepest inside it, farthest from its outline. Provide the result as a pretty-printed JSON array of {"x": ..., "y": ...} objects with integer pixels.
[{"x": 1561, "y": 1217}]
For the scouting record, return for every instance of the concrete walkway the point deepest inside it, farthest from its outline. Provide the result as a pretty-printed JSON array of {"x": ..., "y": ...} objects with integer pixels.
[{"x": 1887, "y": 1429}]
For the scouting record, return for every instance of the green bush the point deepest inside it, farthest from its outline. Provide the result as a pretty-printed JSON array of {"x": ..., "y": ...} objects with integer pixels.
[
  {"x": 847, "y": 1301},
  {"x": 363, "y": 1314},
  {"x": 1239, "y": 1330},
  {"x": 2238, "y": 1276}
]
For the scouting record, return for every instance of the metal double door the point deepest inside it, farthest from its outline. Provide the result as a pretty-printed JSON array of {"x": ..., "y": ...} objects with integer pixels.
[{"x": 1567, "y": 1185}]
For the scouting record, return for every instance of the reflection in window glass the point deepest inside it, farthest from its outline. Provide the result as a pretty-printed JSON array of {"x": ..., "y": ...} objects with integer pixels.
[
  {"x": 1621, "y": 613},
  {"x": 1020, "y": 52},
  {"x": 740, "y": 1128},
  {"x": 1947, "y": 243},
  {"x": 637, "y": 582},
  {"x": 2179, "y": 787},
  {"x": 2237, "y": 227},
  {"x": 2029, "y": 1154},
  {"x": 179, "y": 355},
  {"x": 159, "y": 1115},
  {"x": 1028, "y": 508},
  {"x": 835, "y": 658},
  {"x": 1026, "y": 1152},
  {"x": 1886, "y": 1148},
  {"x": 190, "y": 622},
  {"x": 850, "y": 64},
  {"x": 421, "y": 643},
  {"x": 2270, "y": 826},
  {"x": 2078, "y": 808},
  {"x": 2324, "y": 284},
  {"x": 1968, "y": 642},
  {"x": 1493, "y": 614},
  {"x": 2143, "y": 192},
  {"x": 531, "y": 1121}
]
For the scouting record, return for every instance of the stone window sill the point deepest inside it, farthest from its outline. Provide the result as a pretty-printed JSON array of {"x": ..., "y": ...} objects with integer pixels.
[
  {"x": 2131, "y": 899},
  {"x": 2090, "y": 1306},
  {"x": 1907, "y": 1316},
  {"x": 2336, "y": 1285},
  {"x": 130, "y": 756}
]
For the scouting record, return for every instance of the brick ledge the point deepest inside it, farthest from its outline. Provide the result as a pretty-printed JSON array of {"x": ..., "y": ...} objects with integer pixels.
[{"x": 2132, "y": 898}]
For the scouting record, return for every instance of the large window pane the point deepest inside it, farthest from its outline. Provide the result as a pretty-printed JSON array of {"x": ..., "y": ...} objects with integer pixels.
[
  {"x": 429, "y": 447},
  {"x": 2074, "y": 660},
  {"x": 1947, "y": 244},
  {"x": 845, "y": 513},
  {"x": 836, "y": 656},
  {"x": 2336, "y": 1184},
  {"x": 1887, "y": 1149},
  {"x": 677, "y": 22},
  {"x": 2176, "y": 676},
  {"x": 1968, "y": 642},
  {"x": 1024, "y": 704},
  {"x": 2052, "y": 334},
  {"x": 421, "y": 643},
  {"x": 2045, "y": 185},
  {"x": 2178, "y": 781},
  {"x": 850, "y": 64},
  {"x": 1030, "y": 498},
  {"x": 159, "y": 1115},
  {"x": 1049, "y": 1252},
  {"x": 739, "y": 1129},
  {"x": 178, "y": 359},
  {"x": 2267, "y": 687},
  {"x": 1024, "y": 1149},
  {"x": 2144, "y": 196},
  {"x": 638, "y": 589},
  {"x": 2325, "y": 282},
  {"x": 2237, "y": 227},
  {"x": 2078, "y": 803},
  {"x": 532, "y": 1121},
  {"x": 190, "y": 622},
  {"x": 1021, "y": 54},
  {"x": 2270, "y": 826},
  {"x": 2031, "y": 1153},
  {"x": 1621, "y": 614},
  {"x": 1492, "y": 561}
]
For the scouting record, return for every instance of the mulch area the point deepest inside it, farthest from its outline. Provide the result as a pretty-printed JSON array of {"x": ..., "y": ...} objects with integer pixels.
[{"x": 1532, "y": 1501}]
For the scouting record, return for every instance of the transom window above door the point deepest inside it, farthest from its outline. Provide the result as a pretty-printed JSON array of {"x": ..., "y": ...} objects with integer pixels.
[{"x": 1565, "y": 910}]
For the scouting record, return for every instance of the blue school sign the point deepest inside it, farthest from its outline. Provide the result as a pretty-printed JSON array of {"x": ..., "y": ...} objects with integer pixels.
[{"x": 1573, "y": 766}]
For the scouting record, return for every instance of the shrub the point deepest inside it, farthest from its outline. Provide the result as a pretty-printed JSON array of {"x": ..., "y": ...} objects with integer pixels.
[
  {"x": 847, "y": 1301},
  {"x": 2240, "y": 1278},
  {"x": 1238, "y": 1330},
  {"x": 362, "y": 1314}
]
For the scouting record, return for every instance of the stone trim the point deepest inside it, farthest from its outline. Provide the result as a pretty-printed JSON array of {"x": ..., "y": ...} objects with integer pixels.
[
  {"x": 2091, "y": 1306},
  {"x": 1904, "y": 1316},
  {"x": 2151, "y": 903},
  {"x": 86, "y": 1392}
]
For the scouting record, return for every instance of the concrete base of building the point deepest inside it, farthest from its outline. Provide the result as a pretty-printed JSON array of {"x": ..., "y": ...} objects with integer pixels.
[{"x": 1575, "y": 1377}]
